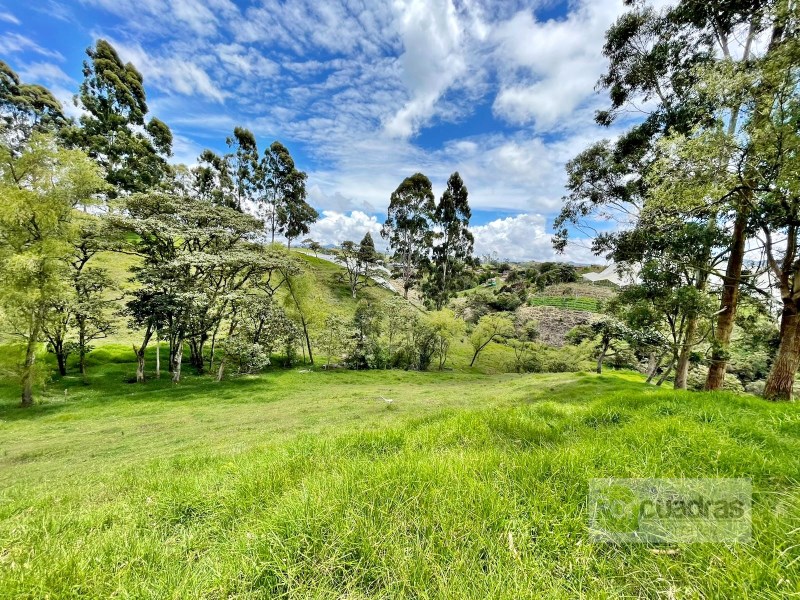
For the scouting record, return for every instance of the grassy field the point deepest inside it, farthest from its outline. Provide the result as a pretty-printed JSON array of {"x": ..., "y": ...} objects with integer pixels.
[{"x": 296, "y": 484}]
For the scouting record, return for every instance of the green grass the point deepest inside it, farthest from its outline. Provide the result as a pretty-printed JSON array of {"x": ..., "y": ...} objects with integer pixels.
[
  {"x": 579, "y": 303},
  {"x": 303, "y": 485}
]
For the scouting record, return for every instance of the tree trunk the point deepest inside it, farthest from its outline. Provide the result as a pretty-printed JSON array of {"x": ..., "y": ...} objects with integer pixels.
[
  {"x": 27, "y": 370},
  {"x": 158, "y": 355},
  {"x": 600, "y": 359},
  {"x": 82, "y": 350},
  {"x": 730, "y": 298},
  {"x": 221, "y": 371},
  {"x": 655, "y": 365},
  {"x": 780, "y": 383},
  {"x": 140, "y": 354},
  {"x": 61, "y": 359},
  {"x": 665, "y": 374},
  {"x": 176, "y": 367},
  {"x": 682, "y": 366},
  {"x": 308, "y": 340}
]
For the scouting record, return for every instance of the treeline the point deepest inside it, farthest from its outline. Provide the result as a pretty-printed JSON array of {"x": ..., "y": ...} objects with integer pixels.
[
  {"x": 709, "y": 181},
  {"x": 72, "y": 189}
]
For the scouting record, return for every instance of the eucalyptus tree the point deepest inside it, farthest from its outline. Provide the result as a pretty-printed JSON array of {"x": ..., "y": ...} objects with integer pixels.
[
  {"x": 25, "y": 108},
  {"x": 131, "y": 149},
  {"x": 454, "y": 247},
  {"x": 245, "y": 169},
  {"x": 296, "y": 215},
  {"x": 212, "y": 179},
  {"x": 283, "y": 193},
  {"x": 408, "y": 227}
]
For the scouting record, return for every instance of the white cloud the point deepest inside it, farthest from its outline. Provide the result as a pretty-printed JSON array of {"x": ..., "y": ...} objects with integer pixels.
[
  {"x": 9, "y": 18},
  {"x": 42, "y": 72},
  {"x": 549, "y": 68},
  {"x": 334, "y": 227},
  {"x": 431, "y": 62},
  {"x": 348, "y": 85},
  {"x": 14, "y": 43},
  {"x": 169, "y": 73},
  {"x": 524, "y": 237}
]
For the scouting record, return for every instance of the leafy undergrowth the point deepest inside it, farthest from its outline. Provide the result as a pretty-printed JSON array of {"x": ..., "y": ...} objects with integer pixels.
[{"x": 314, "y": 485}]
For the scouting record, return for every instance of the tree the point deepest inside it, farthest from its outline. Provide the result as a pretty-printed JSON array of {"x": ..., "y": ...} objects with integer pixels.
[
  {"x": 245, "y": 166},
  {"x": 446, "y": 327},
  {"x": 297, "y": 215},
  {"x": 365, "y": 350},
  {"x": 40, "y": 188},
  {"x": 212, "y": 180},
  {"x": 283, "y": 190},
  {"x": 92, "y": 310},
  {"x": 661, "y": 56},
  {"x": 57, "y": 326},
  {"x": 358, "y": 262},
  {"x": 490, "y": 327},
  {"x": 196, "y": 258},
  {"x": 334, "y": 337},
  {"x": 313, "y": 245},
  {"x": 451, "y": 219},
  {"x": 24, "y": 109},
  {"x": 299, "y": 299},
  {"x": 408, "y": 226},
  {"x": 114, "y": 132},
  {"x": 399, "y": 314}
]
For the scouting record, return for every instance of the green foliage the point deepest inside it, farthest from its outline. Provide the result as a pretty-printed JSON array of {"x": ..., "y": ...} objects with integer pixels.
[
  {"x": 454, "y": 247},
  {"x": 408, "y": 226},
  {"x": 491, "y": 327},
  {"x": 40, "y": 189},
  {"x": 113, "y": 131},
  {"x": 25, "y": 109}
]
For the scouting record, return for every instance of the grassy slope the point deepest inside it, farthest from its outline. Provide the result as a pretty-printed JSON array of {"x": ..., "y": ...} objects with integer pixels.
[{"x": 308, "y": 484}]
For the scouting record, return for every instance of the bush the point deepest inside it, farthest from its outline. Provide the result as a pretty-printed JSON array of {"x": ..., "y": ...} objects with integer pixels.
[
  {"x": 697, "y": 379},
  {"x": 756, "y": 387},
  {"x": 245, "y": 356}
]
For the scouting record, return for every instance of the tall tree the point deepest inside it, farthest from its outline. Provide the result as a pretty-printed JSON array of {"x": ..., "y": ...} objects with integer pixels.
[
  {"x": 451, "y": 220},
  {"x": 296, "y": 215},
  {"x": 25, "y": 108},
  {"x": 211, "y": 179},
  {"x": 114, "y": 130},
  {"x": 245, "y": 166},
  {"x": 408, "y": 226},
  {"x": 281, "y": 184}
]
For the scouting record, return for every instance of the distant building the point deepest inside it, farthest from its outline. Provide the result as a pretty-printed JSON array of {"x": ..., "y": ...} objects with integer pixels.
[{"x": 611, "y": 275}]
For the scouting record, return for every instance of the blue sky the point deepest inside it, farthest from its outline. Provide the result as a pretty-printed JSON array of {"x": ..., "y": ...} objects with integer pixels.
[{"x": 364, "y": 93}]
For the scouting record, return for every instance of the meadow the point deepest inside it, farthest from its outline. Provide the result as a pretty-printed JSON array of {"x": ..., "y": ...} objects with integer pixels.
[{"x": 301, "y": 484}]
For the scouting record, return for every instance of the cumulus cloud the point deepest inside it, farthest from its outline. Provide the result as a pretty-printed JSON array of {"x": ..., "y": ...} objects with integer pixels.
[
  {"x": 432, "y": 59},
  {"x": 524, "y": 237},
  {"x": 334, "y": 227},
  {"x": 550, "y": 68}
]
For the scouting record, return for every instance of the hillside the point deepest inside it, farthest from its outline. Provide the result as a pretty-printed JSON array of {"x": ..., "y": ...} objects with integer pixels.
[{"x": 312, "y": 485}]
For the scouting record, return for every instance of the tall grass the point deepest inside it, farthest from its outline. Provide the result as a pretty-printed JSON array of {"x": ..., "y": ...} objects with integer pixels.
[{"x": 312, "y": 485}]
